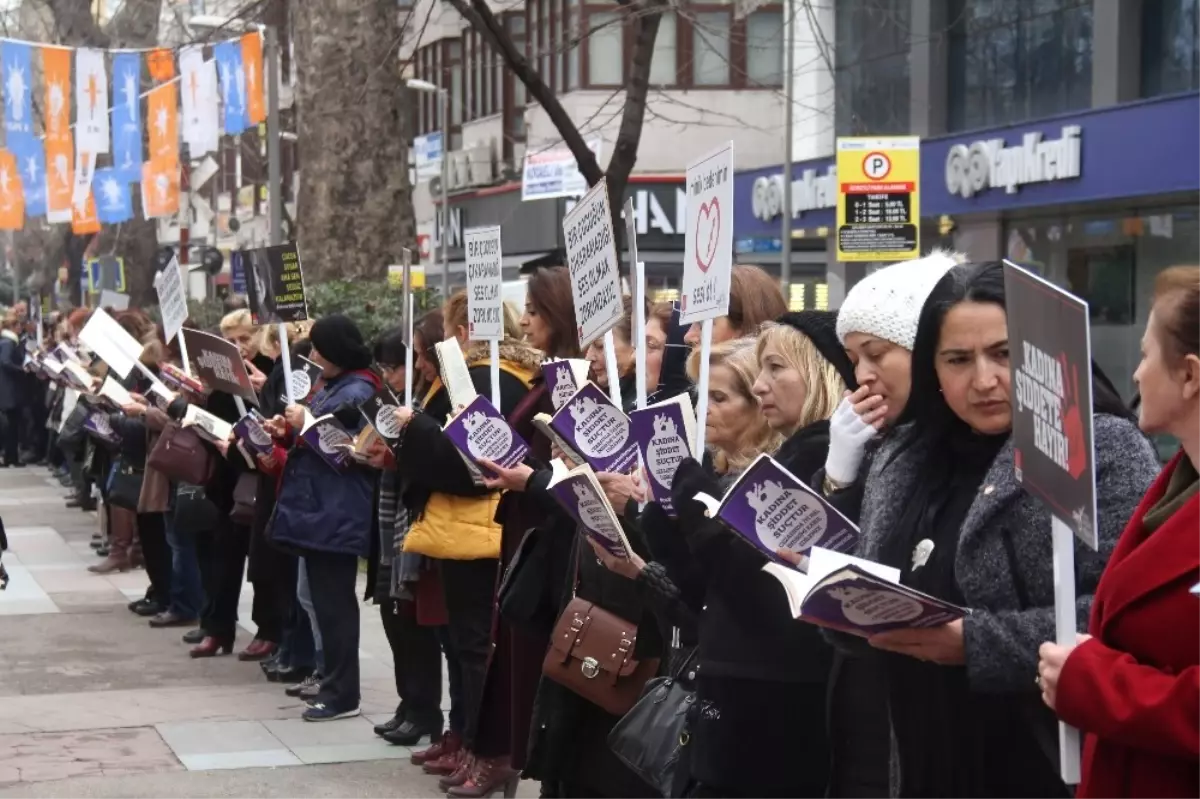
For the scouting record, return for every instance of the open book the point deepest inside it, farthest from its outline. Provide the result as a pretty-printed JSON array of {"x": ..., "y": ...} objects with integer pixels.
[
  {"x": 665, "y": 433},
  {"x": 208, "y": 426},
  {"x": 380, "y": 413},
  {"x": 250, "y": 431},
  {"x": 178, "y": 378},
  {"x": 328, "y": 437},
  {"x": 584, "y": 500},
  {"x": 591, "y": 429},
  {"x": 363, "y": 442},
  {"x": 858, "y": 596},
  {"x": 305, "y": 375},
  {"x": 481, "y": 433},
  {"x": 772, "y": 509},
  {"x": 563, "y": 377},
  {"x": 456, "y": 377}
]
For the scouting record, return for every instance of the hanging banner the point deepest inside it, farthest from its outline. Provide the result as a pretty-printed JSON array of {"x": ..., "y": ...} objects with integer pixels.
[
  {"x": 199, "y": 100},
  {"x": 593, "y": 264},
  {"x": 228, "y": 56},
  {"x": 218, "y": 364},
  {"x": 162, "y": 112},
  {"x": 161, "y": 64},
  {"x": 91, "y": 101},
  {"x": 708, "y": 247},
  {"x": 114, "y": 197},
  {"x": 85, "y": 170},
  {"x": 56, "y": 74},
  {"x": 18, "y": 100},
  {"x": 553, "y": 172},
  {"x": 83, "y": 216},
  {"x": 208, "y": 127},
  {"x": 12, "y": 202},
  {"x": 878, "y": 208},
  {"x": 60, "y": 178},
  {"x": 275, "y": 284},
  {"x": 127, "y": 117},
  {"x": 172, "y": 299},
  {"x": 252, "y": 60},
  {"x": 160, "y": 189},
  {"x": 485, "y": 305},
  {"x": 31, "y": 162}
]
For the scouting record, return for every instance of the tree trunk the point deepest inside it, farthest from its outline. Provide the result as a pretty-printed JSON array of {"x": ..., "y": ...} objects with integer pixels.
[{"x": 355, "y": 199}]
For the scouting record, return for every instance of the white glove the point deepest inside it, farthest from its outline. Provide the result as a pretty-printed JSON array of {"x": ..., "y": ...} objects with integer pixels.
[{"x": 848, "y": 437}]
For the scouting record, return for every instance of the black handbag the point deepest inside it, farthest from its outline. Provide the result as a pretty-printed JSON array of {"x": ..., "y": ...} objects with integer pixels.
[
  {"x": 649, "y": 739},
  {"x": 194, "y": 511},
  {"x": 125, "y": 486},
  {"x": 524, "y": 594}
]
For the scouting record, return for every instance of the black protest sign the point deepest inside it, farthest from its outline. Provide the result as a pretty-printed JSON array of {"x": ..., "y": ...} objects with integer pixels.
[
  {"x": 218, "y": 364},
  {"x": 274, "y": 284},
  {"x": 1051, "y": 361}
]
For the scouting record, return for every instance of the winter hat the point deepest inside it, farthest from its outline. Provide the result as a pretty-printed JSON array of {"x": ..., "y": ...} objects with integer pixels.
[
  {"x": 340, "y": 342},
  {"x": 887, "y": 303},
  {"x": 820, "y": 328}
]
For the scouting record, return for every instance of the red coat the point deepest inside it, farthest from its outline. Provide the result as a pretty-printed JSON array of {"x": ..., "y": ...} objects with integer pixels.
[{"x": 1134, "y": 689}]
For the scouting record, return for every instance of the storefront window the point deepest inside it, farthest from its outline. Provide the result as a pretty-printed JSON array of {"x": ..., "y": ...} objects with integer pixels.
[
  {"x": 872, "y": 82},
  {"x": 1170, "y": 53},
  {"x": 1013, "y": 60}
]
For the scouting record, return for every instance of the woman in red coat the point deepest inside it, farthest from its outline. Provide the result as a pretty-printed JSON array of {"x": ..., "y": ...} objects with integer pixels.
[{"x": 1133, "y": 685}]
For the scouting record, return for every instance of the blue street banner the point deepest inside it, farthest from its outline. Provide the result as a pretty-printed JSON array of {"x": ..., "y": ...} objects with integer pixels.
[
  {"x": 114, "y": 200},
  {"x": 31, "y": 163},
  {"x": 233, "y": 86},
  {"x": 18, "y": 86},
  {"x": 127, "y": 117}
]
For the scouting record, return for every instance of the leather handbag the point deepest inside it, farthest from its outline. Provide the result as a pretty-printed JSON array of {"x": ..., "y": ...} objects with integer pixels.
[
  {"x": 194, "y": 512},
  {"x": 245, "y": 496},
  {"x": 125, "y": 486},
  {"x": 592, "y": 653},
  {"x": 649, "y": 739},
  {"x": 182, "y": 455}
]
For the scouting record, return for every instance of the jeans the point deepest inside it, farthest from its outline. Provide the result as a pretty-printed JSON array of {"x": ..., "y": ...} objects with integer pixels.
[
  {"x": 304, "y": 596},
  {"x": 332, "y": 584},
  {"x": 187, "y": 593}
]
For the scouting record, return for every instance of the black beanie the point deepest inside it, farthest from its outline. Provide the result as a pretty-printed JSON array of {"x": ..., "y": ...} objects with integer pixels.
[
  {"x": 340, "y": 342},
  {"x": 821, "y": 329}
]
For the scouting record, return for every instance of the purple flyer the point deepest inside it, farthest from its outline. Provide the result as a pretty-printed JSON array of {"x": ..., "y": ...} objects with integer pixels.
[
  {"x": 480, "y": 432},
  {"x": 597, "y": 430},
  {"x": 662, "y": 440}
]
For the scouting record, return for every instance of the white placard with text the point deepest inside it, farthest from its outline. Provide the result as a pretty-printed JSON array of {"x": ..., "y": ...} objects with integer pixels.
[
  {"x": 593, "y": 263},
  {"x": 485, "y": 277},
  {"x": 708, "y": 245}
]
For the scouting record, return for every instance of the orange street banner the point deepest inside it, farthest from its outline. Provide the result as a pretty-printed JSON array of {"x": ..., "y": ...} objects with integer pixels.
[
  {"x": 161, "y": 64},
  {"x": 56, "y": 72},
  {"x": 252, "y": 59},
  {"x": 12, "y": 198},
  {"x": 160, "y": 189},
  {"x": 60, "y": 178},
  {"x": 84, "y": 218},
  {"x": 162, "y": 109}
]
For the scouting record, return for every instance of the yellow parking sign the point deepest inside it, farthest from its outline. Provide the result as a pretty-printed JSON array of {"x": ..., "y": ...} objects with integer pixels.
[{"x": 878, "y": 209}]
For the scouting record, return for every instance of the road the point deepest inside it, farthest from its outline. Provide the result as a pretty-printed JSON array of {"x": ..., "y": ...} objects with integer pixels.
[{"x": 95, "y": 703}]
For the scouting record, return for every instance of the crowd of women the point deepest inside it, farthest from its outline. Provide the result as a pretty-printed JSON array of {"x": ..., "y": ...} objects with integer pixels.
[{"x": 897, "y": 407}]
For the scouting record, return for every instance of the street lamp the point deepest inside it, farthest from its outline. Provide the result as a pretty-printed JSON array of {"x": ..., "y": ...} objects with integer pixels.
[{"x": 419, "y": 85}]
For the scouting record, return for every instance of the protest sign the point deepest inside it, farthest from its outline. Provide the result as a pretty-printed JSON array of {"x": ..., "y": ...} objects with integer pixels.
[
  {"x": 218, "y": 363},
  {"x": 553, "y": 172},
  {"x": 485, "y": 305},
  {"x": 708, "y": 245},
  {"x": 105, "y": 337},
  {"x": 114, "y": 299},
  {"x": 172, "y": 299},
  {"x": 275, "y": 284},
  {"x": 592, "y": 262}
]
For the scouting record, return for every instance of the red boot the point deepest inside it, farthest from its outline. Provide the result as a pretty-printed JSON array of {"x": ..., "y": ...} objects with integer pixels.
[
  {"x": 212, "y": 646},
  {"x": 449, "y": 744},
  {"x": 257, "y": 650},
  {"x": 462, "y": 771},
  {"x": 488, "y": 775}
]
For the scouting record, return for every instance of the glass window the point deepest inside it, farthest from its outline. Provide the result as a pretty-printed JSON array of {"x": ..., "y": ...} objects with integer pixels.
[
  {"x": 573, "y": 28},
  {"x": 606, "y": 49},
  {"x": 663, "y": 63},
  {"x": 710, "y": 48},
  {"x": 872, "y": 81},
  {"x": 1170, "y": 54},
  {"x": 1012, "y": 60},
  {"x": 764, "y": 48},
  {"x": 560, "y": 48},
  {"x": 456, "y": 94},
  {"x": 547, "y": 40}
]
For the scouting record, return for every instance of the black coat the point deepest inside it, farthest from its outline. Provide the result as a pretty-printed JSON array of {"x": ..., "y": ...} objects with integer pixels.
[{"x": 12, "y": 374}]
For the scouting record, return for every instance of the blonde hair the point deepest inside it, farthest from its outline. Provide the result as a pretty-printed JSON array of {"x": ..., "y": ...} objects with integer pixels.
[
  {"x": 268, "y": 336},
  {"x": 825, "y": 385},
  {"x": 236, "y": 320},
  {"x": 739, "y": 357},
  {"x": 455, "y": 314}
]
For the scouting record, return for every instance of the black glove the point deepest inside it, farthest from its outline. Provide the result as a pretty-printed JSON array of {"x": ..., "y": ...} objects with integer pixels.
[
  {"x": 697, "y": 527},
  {"x": 662, "y": 534}
]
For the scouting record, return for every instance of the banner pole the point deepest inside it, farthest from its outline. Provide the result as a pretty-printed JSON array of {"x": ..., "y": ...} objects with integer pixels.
[
  {"x": 285, "y": 353},
  {"x": 1065, "y": 635},
  {"x": 408, "y": 357},
  {"x": 610, "y": 365},
  {"x": 702, "y": 386},
  {"x": 639, "y": 332},
  {"x": 183, "y": 354},
  {"x": 494, "y": 353}
]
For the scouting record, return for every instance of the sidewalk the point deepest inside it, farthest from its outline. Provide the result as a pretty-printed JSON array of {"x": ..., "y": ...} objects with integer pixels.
[{"x": 93, "y": 702}]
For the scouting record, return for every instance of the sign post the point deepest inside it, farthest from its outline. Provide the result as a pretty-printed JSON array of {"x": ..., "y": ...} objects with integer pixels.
[
  {"x": 406, "y": 266},
  {"x": 707, "y": 260},
  {"x": 638, "y": 270},
  {"x": 485, "y": 303},
  {"x": 878, "y": 208},
  {"x": 1053, "y": 442}
]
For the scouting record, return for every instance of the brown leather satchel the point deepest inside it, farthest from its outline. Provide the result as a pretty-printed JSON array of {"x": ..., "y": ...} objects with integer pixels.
[
  {"x": 245, "y": 495},
  {"x": 183, "y": 456},
  {"x": 592, "y": 653}
]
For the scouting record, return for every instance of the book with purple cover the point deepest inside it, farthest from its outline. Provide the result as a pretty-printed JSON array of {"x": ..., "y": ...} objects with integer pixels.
[
  {"x": 250, "y": 431},
  {"x": 98, "y": 424},
  {"x": 327, "y": 437},
  {"x": 582, "y": 497},
  {"x": 665, "y": 433},
  {"x": 592, "y": 426},
  {"x": 772, "y": 509},
  {"x": 857, "y": 596},
  {"x": 563, "y": 377},
  {"x": 479, "y": 431}
]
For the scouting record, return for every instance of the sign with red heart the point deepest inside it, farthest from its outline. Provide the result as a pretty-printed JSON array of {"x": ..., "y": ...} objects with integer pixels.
[
  {"x": 708, "y": 245},
  {"x": 708, "y": 233}
]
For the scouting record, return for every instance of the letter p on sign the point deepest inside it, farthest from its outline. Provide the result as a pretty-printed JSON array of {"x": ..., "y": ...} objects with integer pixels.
[{"x": 876, "y": 166}]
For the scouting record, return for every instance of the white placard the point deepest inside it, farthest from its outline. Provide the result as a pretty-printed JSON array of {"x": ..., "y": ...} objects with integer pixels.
[
  {"x": 553, "y": 172},
  {"x": 172, "y": 299},
  {"x": 114, "y": 299},
  {"x": 592, "y": 262},
  {"x": 708, "y": 245},
  {"x": 485, "y": 305},
  {"x": 111, "y": 342}
]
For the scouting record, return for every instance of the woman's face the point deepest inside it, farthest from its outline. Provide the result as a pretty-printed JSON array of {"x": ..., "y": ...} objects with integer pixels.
[
  {"x": 328, "y": 368},
  {"x": 424, "y": 365},
  {"x": 536, "y": 329},
  {"x": 972, "y": 366},
  {"x": 656, "y": 343},
  {"x": 625, "y": 358},
  {"x": 883, "y": 366},
  {"x": 780, "y": 389},
  {"x": 245, "y": 340},
  {"x": 1168, "y": 392},
  {"x": 723, "y": 330},
  {"x": 731, "y": 414}
]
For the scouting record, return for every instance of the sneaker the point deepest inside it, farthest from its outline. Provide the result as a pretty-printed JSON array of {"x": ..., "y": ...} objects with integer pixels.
[
  {"x": 308, "y": 688},
  {"x": 320, "y": 712}
]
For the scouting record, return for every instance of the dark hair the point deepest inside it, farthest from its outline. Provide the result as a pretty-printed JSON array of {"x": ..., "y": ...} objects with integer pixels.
[
  {"x": 549, "y": 292},
  {"x": 390, "y": 349},
  {"x": 431, "y": 329}
]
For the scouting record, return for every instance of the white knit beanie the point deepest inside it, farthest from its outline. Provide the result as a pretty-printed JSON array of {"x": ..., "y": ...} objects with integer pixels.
[{"x": 887, "y": 303}]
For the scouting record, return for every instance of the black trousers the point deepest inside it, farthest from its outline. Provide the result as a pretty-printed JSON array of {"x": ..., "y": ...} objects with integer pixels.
[
  {"x": 469, "y": 586},
  {"x": 152, "y": 532},
  {"x": 418, "y": 660},
  {"x": 273, "y": 573},
  {"x": 222, "y": 556},
  {"x": 331, "y": 580},
  {"x": 13, "y": 424}
]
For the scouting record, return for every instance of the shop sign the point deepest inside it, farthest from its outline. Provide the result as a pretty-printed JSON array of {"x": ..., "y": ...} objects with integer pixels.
[
  {"x": 991, "y": 164},
  {"x": 810, "y": 191}
]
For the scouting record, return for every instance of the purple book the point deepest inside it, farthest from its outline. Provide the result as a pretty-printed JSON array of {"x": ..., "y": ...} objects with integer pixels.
[
  {"x": 597, "y": 430},
  {"x": 326, "y": 436},
  {"x": 250, "y": 431},
  {"x": 772, "y": 509},
  {"x": 97, "y": 424},
  {"x": 665, "y": 434},
  {"x": 581, "y": 496},
  {"x": 480, "y": 432},
  {"x": 563, "y": 377}
]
